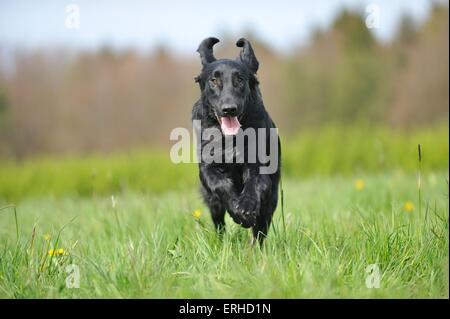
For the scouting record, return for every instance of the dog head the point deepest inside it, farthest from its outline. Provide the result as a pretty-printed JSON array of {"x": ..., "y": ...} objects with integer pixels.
[{"x": 227, "y": 84}]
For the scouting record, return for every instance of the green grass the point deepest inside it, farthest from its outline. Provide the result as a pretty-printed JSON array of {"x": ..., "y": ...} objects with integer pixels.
[
  {"x": 323, "y": 152},
  {"x": 152, "y": 246}
]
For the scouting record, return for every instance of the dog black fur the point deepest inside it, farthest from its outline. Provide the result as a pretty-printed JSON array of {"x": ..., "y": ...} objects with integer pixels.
[{"x": 230, "y": 88}]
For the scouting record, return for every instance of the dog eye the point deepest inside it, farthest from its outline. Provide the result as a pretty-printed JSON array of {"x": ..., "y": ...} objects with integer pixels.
[{"x": 214, "y": 81}]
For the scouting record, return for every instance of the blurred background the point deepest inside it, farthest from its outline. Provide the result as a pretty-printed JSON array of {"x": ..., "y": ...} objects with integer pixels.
[{"x": 89, "y": 91}]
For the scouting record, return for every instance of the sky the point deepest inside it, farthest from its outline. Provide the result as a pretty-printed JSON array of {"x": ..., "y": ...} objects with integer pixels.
[{"x": 181, "y": 25}]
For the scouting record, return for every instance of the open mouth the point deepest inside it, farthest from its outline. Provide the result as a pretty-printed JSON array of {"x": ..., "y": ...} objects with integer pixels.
[{"x": 229, "y": 124}]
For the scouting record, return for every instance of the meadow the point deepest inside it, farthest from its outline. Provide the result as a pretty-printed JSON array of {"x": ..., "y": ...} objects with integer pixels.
[
  {"x": 350, "y": 201},
  {"x": 332, "y": 150}
]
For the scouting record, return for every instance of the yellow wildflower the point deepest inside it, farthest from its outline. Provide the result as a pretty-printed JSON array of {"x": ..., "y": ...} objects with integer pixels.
[
  {"x": 57, "y": 252},
  {"x": 359, "y": 184},
  {"x": 197, "y": 213},
  {"x": 47, "y": 237},
  {"x": 408, "y": 206}
]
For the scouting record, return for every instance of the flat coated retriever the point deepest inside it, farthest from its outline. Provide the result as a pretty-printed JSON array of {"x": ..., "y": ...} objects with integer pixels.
[{"x": 231, "y": 103}]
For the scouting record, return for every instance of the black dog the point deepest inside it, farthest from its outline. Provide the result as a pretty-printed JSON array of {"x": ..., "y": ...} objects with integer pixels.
[{"x": 231, "y": 102}]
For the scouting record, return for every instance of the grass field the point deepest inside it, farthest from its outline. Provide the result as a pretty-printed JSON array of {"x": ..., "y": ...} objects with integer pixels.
[
  {"x": 143, "y": 245},
  {"x": 325, "y": 152}
]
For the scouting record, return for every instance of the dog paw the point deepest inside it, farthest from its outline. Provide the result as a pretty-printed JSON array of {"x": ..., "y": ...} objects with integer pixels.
[{"x": 245, "y": 210}]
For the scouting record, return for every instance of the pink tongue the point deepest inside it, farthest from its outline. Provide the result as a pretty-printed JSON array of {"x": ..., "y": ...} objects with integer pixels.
[{"x": 230, "y": 125}]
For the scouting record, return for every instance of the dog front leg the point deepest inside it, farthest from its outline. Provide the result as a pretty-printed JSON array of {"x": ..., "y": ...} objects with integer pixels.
[
  {"x": 218, "y": 183},
  {"x": 256, "y": 186}
]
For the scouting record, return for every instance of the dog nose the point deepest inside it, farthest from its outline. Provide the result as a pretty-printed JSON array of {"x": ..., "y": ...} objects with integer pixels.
[{"x": 229, "y": 110}]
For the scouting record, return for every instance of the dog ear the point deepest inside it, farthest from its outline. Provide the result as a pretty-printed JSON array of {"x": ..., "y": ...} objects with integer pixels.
[
  {"x": 247, "y": 56},
  {"x": 205, "y": 49}
]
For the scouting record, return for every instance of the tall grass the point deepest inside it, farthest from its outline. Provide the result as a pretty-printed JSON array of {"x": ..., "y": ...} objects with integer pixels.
[
  {"x": 345, "y": 151},
  {"x": 159, "y": 250},
  {"x": 144, "y": 241}
]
